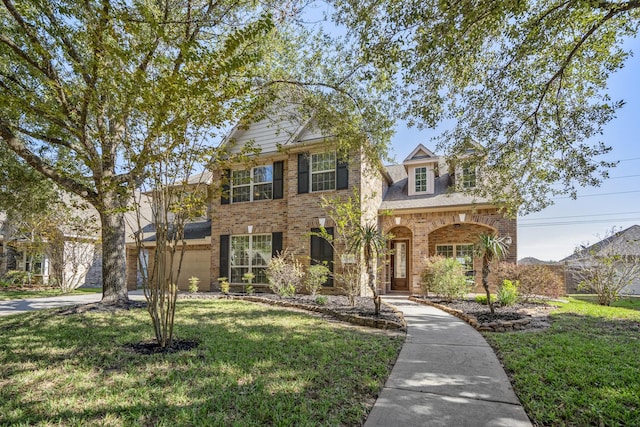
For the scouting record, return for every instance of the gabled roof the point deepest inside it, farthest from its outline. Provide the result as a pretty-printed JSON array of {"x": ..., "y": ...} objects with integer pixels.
[
  {"x": 625, "y": 242},
  {"x": 281, "y": 127},
  {"x": 421, "y": 154}
]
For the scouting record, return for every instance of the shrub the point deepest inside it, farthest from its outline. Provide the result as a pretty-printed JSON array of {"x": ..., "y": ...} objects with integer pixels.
[
  {"x": 225, "y": 286},
  {"x": 533, "y": 280},
  {"x": 193, "y": 284},
  {"x": 507, "y": 293},
  {"x": 315, "y": 277},
  {"x": 17, "y": 277},
  {"x": 445, "y": 277},
  {"x": 249, "y": 289},
  {"x": 284, "y": 274},
  {"x": 482, "y": 299},
  {"x": 321, "y": 300}
]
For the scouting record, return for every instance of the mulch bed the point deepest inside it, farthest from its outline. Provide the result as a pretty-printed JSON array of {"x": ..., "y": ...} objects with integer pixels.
[
  {"x": 152, "y": 347},
  {"x": 537, "y": 313}
]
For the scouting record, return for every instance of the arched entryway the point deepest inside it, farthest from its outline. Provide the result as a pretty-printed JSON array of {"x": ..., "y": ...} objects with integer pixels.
[
  {"x": 400, "y": 259},
  {"x": 458, "y": 241}
]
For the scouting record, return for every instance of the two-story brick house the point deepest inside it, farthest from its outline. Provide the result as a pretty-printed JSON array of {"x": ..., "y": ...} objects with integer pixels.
[{"x": 276, "y": 204}]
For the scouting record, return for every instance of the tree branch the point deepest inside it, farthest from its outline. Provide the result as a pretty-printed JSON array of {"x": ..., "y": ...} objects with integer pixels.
[{"x": 15, "y": 144}]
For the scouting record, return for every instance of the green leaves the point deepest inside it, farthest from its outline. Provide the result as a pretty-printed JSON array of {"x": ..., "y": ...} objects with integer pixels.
[{"x": 526, "y": 80}]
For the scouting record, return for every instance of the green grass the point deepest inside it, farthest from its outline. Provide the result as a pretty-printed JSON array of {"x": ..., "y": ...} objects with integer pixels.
[
  {"x": 254, "y": 366},
  {"x": 584, "y": 370},
  {"x": 6, "y": 295}
]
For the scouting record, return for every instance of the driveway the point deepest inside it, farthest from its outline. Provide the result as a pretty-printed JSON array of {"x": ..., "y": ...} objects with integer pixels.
[{"x": 22, "y": 305}]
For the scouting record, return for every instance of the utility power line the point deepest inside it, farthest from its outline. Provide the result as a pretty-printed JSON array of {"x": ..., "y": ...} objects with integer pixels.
[
  {"x": 578, "y": 222},
  {"x": 577, "y": 216},
  {"x": 598, "y": 194}
]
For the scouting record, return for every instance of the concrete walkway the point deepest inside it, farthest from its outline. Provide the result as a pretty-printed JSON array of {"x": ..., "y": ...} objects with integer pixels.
[
  {"x": 446, "y": 375},
  {"x": 21, "y": 305}
]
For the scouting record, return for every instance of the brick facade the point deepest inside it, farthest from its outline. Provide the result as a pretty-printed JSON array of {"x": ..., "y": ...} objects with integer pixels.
[
  {"x": 294, "y": 215},
  {"x": 425, "y": 230}
]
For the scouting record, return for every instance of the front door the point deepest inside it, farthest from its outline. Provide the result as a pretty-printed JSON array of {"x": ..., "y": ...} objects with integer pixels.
[{"x": 399, "y": 265}]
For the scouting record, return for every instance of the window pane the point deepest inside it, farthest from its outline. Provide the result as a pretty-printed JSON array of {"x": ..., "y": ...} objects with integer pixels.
[
  {"x": 262, "y": 191},
  {"x": 261, "y": 251},
  {"x": 239, "y": 251},
  {"x": 241, "y": 194},
  {"x": 261, "y": 275},
  {"x": 263, "y": 174},
  {"x": 444, "y": 250},
  {"x": 241, "y": 177},
  {"x": 464, "y": 254},
  {"x": 468, "y": 177},
  {"x": 237, "y": 273},
  {"x": 421, "y": 179},
  {"x": 323, "y": 162},
  {"x": 323, "y": 181}
]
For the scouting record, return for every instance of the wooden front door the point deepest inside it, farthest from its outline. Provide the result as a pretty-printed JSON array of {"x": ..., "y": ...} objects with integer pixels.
[{"x": 399, "y": 265}]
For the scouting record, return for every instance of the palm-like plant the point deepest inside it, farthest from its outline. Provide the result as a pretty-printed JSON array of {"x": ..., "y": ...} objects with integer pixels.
[
  {"x": 490, "y": 248},
  {"x": 368, "y": 239}
]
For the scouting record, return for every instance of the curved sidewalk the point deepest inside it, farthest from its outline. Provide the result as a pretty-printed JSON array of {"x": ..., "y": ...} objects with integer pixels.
[{"x": 446, "y": 375}]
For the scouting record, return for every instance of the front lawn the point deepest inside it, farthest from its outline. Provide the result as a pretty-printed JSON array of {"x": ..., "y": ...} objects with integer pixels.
[
  {"x": 254, "y": 366},
  {"x": 584, "y": 370},
  {"x": 10, "y": 294}
]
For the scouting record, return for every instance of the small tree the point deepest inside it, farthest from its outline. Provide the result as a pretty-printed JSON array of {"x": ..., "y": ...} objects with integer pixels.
[
  {"x": 369, "y": 241},
  {"x": 490, "y": 248},
  {"x": 609, "y": 267}
]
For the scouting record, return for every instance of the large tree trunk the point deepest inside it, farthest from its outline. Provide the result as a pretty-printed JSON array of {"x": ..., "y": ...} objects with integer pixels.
[{"x": 114, "y": 273}]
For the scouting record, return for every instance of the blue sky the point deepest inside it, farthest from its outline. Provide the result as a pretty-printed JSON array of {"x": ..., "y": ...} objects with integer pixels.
[{"x": 553, "y": 233}]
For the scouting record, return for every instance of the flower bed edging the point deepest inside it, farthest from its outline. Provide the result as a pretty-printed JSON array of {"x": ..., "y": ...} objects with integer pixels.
[{"x": 497, "y": 326}]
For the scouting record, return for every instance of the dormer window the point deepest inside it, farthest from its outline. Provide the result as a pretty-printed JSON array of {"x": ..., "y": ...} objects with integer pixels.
[
  {"x": 469, "y": 177},
  {"x": 421, "y": 179}
]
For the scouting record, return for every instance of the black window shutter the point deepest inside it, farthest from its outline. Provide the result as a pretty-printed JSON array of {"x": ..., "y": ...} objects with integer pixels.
[
  {"x": 322, "y": 252},
  {"x": 224, "y": 256},
  {"x": 278, "y": 179},
  {"x": 303, "y": 173},
  {"x": 342, "y": 175},
  {"x": 276, "y": 243},
  {"x": 226, "y": 187}
]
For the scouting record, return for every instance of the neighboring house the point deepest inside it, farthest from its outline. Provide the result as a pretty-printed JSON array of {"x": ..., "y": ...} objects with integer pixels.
[
  {"x": 276, "y": 204},
  {"x": 625, "y": 243},
  {"x": 196, "y": 261},
  {"x": 66, "y": 249}
]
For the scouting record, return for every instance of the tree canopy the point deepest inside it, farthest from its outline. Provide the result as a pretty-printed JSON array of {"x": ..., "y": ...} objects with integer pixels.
[
  {"x": 93, "y": 92},
  {"x": 526, "y": 80}
]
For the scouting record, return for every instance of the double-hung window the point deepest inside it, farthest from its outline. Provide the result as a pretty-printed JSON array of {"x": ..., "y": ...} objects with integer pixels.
[
  {"x": 468, "y": 177},
  {"x": 462, "y": 252},
  {"x": 252, "y": 184},
  {"x": 250, "y": 254},
  {"x": 323, "y": 171},
  {"x": 420, "y": 179}
]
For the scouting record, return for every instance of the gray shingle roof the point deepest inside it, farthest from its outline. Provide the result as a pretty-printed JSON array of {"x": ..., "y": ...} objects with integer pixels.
[
  {"x": 625, "y": 242},
  {"x": 397, "y": 195}
]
